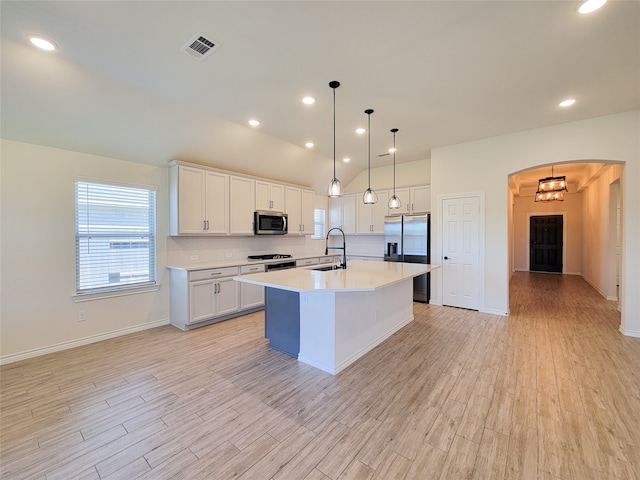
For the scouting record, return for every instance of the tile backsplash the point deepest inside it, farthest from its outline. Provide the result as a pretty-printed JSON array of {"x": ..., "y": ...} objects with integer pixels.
[{"x": 187, "y": 250}]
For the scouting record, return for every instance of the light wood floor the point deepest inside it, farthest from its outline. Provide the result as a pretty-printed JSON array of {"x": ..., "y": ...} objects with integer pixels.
[{"x": 550, "y": 392}]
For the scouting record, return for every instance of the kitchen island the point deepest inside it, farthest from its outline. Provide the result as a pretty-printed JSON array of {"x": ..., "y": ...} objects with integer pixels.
[{"x": 329, "y": 319}]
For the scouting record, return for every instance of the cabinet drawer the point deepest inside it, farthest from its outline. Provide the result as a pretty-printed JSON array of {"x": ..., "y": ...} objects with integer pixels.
[
  {"x": 246, "y": 269},
  {"x": 306, "y": 261},
  {"x": 213, "y": 273},
  {"x": 328, "y": 259}
]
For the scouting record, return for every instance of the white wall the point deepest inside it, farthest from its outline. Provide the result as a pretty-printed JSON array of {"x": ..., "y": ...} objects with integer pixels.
[
  {"x": 599, "y": 270},
  {"x": 407, "y": 174},
  {"x": 38, "y": 314},
  {"x": 570, "y": 208},
  {"x": 485, "y": 165}
]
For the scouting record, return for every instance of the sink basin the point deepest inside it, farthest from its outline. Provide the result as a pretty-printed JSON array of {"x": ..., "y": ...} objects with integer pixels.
[{"x": 326, "y": 268}]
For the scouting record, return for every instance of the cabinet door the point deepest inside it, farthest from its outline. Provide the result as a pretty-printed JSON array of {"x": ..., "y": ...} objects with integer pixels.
[
  {"x": 201, "y": 300},
  {"x": 335, "y": 212},
  {"x": 349, "y": 213},
  {"x": 216, "y": 203},
  {"x": 263, "y": 196},
  {"x": 227, "y": 296},
  {"x": 421, "y": 199},
  {"x": 191, "y": 216},
  {"x": 380, "y": 210},
  {"x": 251, "y": 296},
  {"x": 277, "y": 197},
  {"x": 364, "y": 214},
  {"x": 292, "y": 209},
  {"x": 307, "y": 204},
  {"x": 241, "y": 203},
  {"x": 403, "y": 195},
  {"x": 269, "y": 196}
]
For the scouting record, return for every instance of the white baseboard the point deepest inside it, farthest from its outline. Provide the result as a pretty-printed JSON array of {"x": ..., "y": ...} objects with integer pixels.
[
  {"x": 494, "y": 312},
  {"x": 629, "y": 333},
  {"x": 16, "y": 357}
]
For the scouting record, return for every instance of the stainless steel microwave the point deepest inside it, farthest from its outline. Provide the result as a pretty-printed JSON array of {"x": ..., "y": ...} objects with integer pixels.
[{"x": 270, "y": 223}]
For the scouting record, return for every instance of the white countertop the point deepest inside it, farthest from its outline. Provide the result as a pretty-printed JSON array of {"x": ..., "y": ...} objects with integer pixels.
[
  {"x": 360, "y": 275},
  {"x": 246, "y": 261}
]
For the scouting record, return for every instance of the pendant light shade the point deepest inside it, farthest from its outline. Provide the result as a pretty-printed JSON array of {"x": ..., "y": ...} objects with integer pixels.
[
  {"x": 394, "y": 201},
  {"x": 370, "y": 195},
  {"x": 551, "y": 188},
  {"x": 335, "y": 187}
]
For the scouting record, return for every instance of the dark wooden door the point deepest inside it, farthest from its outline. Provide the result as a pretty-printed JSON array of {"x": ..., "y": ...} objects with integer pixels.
[{"x": 545, "y": 244}]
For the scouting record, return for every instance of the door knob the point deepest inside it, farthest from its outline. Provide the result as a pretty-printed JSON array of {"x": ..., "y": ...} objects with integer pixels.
[{"x": 446, "y": 258}]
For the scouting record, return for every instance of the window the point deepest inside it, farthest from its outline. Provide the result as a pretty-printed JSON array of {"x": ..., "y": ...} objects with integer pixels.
[
  {"x": 318, "y": 223},
  {"x": 115, "y": 237}
]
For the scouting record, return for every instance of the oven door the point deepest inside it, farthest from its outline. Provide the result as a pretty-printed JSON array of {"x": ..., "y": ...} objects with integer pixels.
[{"x": 270, "y": 223}]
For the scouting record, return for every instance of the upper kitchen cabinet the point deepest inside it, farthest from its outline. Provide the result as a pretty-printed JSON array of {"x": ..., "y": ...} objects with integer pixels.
[
  {"x": 299, "y": 208},
  {"x": 241, "y": 205},
  {"x": 198, "y": 201},
  {"x": 342, "y": 213},
  {"x": 269, "y": 196},
  {"x": 370, "y": 217},
  {"x": 414, "y": 200}
]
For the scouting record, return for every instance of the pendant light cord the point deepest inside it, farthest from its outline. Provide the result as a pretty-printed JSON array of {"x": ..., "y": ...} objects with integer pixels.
[
  {"x": 369, "y": 150},
  {"x": 394, "y": 162},
  {"x": 334, "y": 132}
]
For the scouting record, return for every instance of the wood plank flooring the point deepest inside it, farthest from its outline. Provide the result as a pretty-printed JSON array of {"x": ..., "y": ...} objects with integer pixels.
[{"x": 550, "y": 392}]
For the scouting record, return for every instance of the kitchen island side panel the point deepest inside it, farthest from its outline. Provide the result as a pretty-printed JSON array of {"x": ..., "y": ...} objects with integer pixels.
[{"x": 282, "y": 320}]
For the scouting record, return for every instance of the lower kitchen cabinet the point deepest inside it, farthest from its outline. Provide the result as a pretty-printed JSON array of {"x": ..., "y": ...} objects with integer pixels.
[
  {"x": 200, "y": 297},
  {"x": 212, "y": 298},
  {"x": 251, "y": 296}
]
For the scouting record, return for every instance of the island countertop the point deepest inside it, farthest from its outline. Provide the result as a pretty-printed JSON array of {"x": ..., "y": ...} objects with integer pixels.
[{"x": 359, "y": 276}]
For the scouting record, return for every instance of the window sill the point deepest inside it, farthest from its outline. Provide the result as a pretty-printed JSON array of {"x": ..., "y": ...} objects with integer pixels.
[{"x": 87, "y": 297}]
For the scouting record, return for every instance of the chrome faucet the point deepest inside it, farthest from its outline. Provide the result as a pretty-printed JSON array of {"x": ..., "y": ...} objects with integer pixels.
[{"x": 343, "y": 247}]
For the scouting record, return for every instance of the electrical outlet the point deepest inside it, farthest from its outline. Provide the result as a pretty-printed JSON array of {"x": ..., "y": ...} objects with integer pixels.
[
  {"x": 193, "y": 257},
  {"x": 229, "y": 255},
  {"x": 82, "y": 315}
]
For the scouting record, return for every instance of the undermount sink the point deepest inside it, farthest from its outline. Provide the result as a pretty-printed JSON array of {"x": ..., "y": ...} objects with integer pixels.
[{"x": 326, "y": 268}]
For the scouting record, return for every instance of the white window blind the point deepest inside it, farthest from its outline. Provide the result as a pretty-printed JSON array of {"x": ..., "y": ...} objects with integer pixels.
[
  {"x": 318, "y": 223},
  {"x": 115, "y": 237}
]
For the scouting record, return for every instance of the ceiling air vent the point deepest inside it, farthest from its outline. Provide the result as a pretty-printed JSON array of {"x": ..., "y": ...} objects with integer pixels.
[{"x": 200, "y": 47}]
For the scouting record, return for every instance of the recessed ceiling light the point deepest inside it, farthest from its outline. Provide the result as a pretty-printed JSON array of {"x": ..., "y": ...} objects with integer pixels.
[
  {"x": 308, "y": 100},
  {"x": 567, "y": 103},
  {"x": 360, "y": 130},
  {"x": 391, "y": 150},
  {"x": 591, "y": 6},
  {"x": 42, "y": 43},
  {"x": 346, "y": 159},
  {"x": 309, "y": 145},
  {"x": 254, "y": 123}
]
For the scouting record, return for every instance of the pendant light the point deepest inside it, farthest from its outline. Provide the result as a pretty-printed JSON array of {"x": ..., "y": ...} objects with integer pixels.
[
  {"x": 394, "y": 201},
  {"x": 335, "y": 187},
  {"x": 551, "y": 188},
  {"x": 370, "y": 195}
]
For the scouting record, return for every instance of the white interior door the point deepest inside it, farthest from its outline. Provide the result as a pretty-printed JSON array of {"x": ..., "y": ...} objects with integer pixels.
[{"x": 460, "y": 252}]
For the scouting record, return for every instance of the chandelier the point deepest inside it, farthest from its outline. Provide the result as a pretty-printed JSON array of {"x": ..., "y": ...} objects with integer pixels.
[{"x": 551, "y": 188}]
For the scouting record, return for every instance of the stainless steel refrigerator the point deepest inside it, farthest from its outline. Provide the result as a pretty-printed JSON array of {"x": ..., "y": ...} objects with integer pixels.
[{"x": 407, "y": 239}]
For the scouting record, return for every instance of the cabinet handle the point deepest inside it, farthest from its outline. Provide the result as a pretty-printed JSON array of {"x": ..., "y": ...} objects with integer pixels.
[{"x": 216, "y": 273}]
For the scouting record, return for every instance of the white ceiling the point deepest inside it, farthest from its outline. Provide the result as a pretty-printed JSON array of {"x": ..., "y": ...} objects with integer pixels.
[{"x": 441, "y": 72}]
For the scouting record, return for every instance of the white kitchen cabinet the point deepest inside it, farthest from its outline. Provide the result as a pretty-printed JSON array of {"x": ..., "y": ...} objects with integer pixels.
[
  {"x": 370, "y": 217},
  {"x": 305, "y": 262},
  {"x": 198, "y": 201},
  {"x": 342, "y": 213},
  {"x": 251, "y": 296},
  {"x": 299, "y": 208},
  {"x": 306, "y": 206},
  {"x": 212, "y": 298},
  {"x": 414, "y": 199},
  {"x": 241, "y": 205},
  {"x": 202, "y": 296},
  {"x": 269, "y": 196}
]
